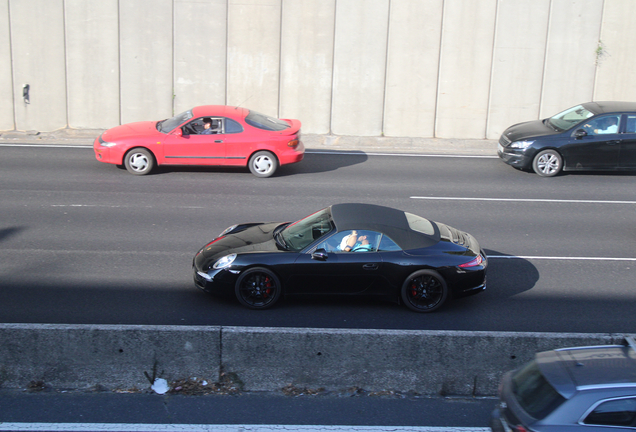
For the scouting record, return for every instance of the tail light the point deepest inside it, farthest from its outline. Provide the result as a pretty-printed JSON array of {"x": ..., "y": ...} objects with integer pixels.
[
  {"x": 293, "y": 143},
  {"x": 474, "y": 263}
]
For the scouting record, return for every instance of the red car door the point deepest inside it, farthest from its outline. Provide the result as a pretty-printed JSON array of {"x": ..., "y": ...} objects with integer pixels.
[{"x": 193, "y": 149}]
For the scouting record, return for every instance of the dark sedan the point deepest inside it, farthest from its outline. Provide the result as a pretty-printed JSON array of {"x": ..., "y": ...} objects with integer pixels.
[
  {"x": 344, "y": 249},
  {"x": 590, "y": 136}
]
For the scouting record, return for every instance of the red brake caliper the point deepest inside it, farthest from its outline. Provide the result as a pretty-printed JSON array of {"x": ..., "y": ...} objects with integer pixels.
[{"x": 268, "y": 286}]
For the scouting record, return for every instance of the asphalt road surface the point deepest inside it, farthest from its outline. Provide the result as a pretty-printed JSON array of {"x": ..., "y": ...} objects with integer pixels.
[{"x": 82, "y": 242}]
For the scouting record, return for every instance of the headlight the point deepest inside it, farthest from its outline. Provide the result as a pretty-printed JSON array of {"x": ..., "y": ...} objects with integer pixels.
[
  {"x": 521, "y": 144},
  {"x": 108, "y": 144},
  {"x": 227, "y": 230},
  {"x": 225, "y": 261}
]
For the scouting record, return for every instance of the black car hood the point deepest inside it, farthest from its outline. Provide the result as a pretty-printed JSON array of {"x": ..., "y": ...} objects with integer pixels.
[
  {"x": 531, "y": 129},
  {"x": 256, "y": 238}
]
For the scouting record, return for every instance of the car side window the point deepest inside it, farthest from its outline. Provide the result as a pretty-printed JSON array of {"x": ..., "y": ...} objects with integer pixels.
[
  {"x": 630, "y": 124},
  {"x": 602, "y": 125},
  {"x": 352, "y": 241},
  {"x": 616, "y": 412},
  {"x": 387, "y": 245},
  {"x": 232, "y": 126}
]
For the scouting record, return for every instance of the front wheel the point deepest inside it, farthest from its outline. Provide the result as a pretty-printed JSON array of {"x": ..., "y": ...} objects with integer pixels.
[
  {"x": 258, "y": 288},
  {"x": 263, "y": 164},
  {"x": 424, "y": 291},
  {"x": 547, "y": 163},
  {"x": 139, "y": 161}
]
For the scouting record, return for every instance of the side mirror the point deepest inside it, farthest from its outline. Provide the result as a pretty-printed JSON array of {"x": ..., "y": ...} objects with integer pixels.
[
  {"x": 178, "y": 132},
  {"x": 579, "y": 133},
  {"x": 320, "y": 255}
]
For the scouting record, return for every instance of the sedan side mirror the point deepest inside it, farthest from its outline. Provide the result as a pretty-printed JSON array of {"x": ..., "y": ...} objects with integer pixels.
[
  {"x": 320, "y": 255},
  {"x": 579, "y": 133},
  {"x": 178, "y": 132}
]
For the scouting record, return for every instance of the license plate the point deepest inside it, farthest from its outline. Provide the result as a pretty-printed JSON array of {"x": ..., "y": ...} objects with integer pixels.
[{"x": 500, "y": 148}]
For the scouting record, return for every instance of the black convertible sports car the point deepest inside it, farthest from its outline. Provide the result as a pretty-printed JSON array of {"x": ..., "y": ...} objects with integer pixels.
[{"x": 346, "y": 249}]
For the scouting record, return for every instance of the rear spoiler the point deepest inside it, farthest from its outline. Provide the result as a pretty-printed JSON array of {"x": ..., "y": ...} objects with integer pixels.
[{"x": 295, "y": 127}]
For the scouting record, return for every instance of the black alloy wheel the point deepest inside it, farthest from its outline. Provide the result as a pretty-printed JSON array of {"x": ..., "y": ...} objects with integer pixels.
[
  {"x": 258, "y": 288},
  {"x": 424, "y": 291}
]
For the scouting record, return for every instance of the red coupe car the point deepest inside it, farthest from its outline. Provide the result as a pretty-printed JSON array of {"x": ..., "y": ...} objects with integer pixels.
[{"x": 205, "y": 135}]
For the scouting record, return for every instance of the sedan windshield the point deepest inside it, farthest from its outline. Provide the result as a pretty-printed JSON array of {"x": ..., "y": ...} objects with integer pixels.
[
  {"x": 569, "y": 118},
  {"x": 262, "y": 121},
  {"x": 168, "y": 125},
  {"x": 301, "y": 234}
]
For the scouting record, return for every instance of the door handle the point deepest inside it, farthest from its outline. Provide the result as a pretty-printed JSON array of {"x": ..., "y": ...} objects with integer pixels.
[
  {"x": 370, "y": 266},
  {"x": 613, "y": 142},
  {"x": 218, "y": 141}
]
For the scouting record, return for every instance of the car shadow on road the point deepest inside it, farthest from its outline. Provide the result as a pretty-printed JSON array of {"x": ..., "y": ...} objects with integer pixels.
[
  {"x": 323, "y": 161},
  {"x": 509, "y": 274},
  {"x": 314, "y": 162}
]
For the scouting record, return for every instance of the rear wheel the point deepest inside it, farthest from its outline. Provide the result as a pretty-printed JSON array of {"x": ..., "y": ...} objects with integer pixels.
[
  {"x": 139, "y": 161},
  {"x": 263, "y": 164},
  {"x": 258, "y": 288},
  {"x": 547, "y": 163},
  {"x": 424, "y": 291}
]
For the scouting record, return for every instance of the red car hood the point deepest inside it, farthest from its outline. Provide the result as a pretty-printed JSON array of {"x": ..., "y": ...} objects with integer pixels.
[{"x": 130, "y": 130}]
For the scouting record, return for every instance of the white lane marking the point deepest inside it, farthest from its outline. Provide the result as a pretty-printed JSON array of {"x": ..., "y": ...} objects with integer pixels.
[
  {"x": 358, "y": 153},
  {"x": 523, "y": 200},
  {"x": 47, "y": 145},
  {"x": 144, "y": 427},
  {"x": 327, "y": 152},
  {"x": 530, "y": 257}
]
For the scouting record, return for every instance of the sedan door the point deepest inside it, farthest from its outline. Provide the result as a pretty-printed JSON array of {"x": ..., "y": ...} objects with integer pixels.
[
  {"x": 597, "y": 148},
  {"x": 627, "y": 156}
]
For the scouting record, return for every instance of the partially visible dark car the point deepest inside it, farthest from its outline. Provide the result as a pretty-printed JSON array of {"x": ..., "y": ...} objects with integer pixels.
[
  {"x": 586, "y": 389},
  {"x": 590, "y": 136},
  {"x": 344, "y": 249}
]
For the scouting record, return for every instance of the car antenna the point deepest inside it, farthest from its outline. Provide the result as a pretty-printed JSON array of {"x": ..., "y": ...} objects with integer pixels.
[{"x": 239, "y": 105}]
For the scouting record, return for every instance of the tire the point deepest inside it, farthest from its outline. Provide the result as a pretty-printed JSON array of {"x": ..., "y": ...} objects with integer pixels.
[
  {"x": 547, "y": 163},
  {"x": 139, "y": 161},
  {"x": 424, "y": 291},
  {"x": 263, "y": 164},
  {"x": 258, "y": 288}
]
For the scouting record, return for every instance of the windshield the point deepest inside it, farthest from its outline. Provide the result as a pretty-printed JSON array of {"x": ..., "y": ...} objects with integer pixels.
[
  {"x": 262, "y": 121},
  {"x": 534, "y": 393},
  {"x": 301, "y": 234},
  {"x": 166, "y": 126},
  {"x": 569, "y": 118}
]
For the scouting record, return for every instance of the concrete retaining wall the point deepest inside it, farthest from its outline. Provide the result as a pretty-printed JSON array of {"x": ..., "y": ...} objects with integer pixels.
[
  {"x": 407, "y": 68},
  {"x": 268, "y": 359}
]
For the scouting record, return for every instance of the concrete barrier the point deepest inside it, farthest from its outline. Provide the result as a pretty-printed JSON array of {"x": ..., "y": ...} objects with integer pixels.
[{"x": 268, "y": 359}]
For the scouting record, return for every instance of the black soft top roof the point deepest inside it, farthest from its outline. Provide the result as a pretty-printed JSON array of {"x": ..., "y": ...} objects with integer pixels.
[{"x": 389, "y": 221}]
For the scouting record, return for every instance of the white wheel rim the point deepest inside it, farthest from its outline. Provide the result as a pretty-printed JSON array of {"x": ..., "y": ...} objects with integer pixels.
[
  {"x": 263, "y": 164},
  {"x": 139, "y": 162}
]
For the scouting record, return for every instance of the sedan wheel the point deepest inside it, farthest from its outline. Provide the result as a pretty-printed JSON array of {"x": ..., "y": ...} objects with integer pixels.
[
  {"x": 257, "y": 288},
  {"x": 547, "y": 163},
  {"x": 263, "y": 164},
  {"x": 424, "y": 291},
  {"x": 139, "y": 161}
]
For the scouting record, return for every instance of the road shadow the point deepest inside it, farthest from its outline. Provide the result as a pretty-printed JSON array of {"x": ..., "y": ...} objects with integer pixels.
[
  {"x": 313, "y": 163},
  {"x": 509, "y": 275},
  {"x": 6, "y": 233}
]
